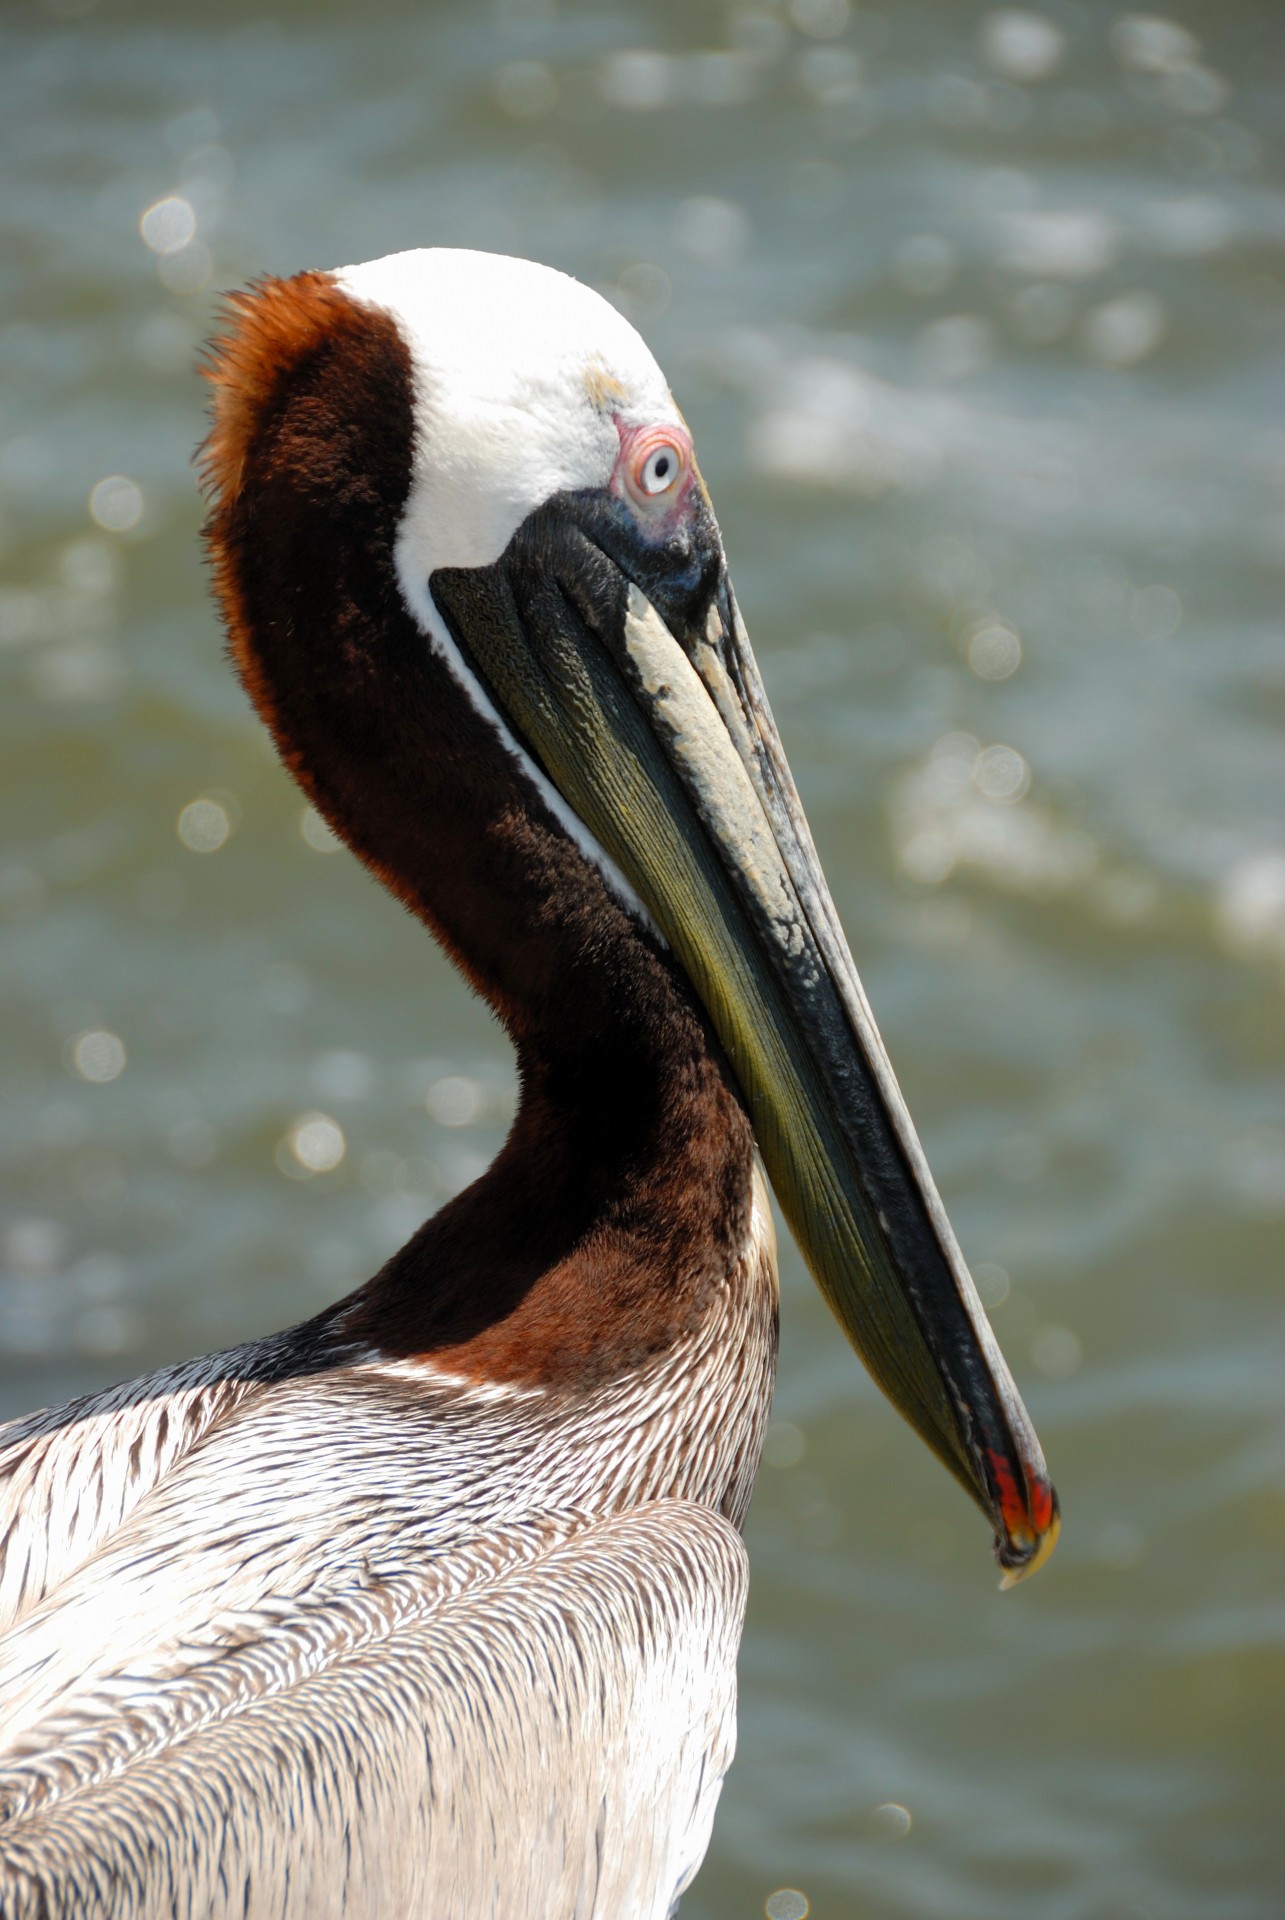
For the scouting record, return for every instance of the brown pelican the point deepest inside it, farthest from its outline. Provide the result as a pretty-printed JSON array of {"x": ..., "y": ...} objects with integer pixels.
[{"x": 430, "y": 1606}]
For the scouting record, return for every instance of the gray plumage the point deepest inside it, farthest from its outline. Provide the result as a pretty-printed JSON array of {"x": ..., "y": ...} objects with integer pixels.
[
  {"x": 297, "y": 1631},
  {"x": 445, "y": 1746}
]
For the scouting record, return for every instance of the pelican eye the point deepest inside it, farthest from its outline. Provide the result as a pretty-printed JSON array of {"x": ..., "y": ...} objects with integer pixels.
[
  {"x": 655, "y": 467},
  {"x": 661, "y": 469}
]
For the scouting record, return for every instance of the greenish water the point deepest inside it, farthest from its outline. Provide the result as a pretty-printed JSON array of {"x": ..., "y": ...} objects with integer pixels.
[{"x": 978, "y": 320}]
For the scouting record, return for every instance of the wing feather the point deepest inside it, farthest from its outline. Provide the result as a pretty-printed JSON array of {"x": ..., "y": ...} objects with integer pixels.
[
  {"x": 69, "y": 1476},
  {"x": 537, "y": 1725}
]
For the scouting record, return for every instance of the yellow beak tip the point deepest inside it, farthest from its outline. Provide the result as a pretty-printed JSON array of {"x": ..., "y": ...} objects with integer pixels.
[{"x": 1043, "y": 1548}]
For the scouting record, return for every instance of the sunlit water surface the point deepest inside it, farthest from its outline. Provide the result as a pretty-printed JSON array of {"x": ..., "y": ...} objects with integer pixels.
[{"x": 978, "y": 319}]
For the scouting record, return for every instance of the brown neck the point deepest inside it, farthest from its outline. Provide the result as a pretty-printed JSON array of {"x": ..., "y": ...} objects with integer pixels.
[{"x": 621, "y": 1199}]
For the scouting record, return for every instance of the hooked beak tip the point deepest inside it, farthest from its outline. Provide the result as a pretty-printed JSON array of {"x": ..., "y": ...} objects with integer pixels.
[{"x": 1031, "y": 1529}]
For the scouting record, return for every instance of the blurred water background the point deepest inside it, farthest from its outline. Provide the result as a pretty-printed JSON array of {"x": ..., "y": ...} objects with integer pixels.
[{"x": 978, "y": 318}]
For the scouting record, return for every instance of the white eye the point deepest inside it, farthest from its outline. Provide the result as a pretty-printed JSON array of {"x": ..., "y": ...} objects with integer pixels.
[{"x": 660, "y": 469}]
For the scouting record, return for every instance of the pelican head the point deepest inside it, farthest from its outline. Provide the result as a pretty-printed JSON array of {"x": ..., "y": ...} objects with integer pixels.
[{"x": 451, "y": 475}]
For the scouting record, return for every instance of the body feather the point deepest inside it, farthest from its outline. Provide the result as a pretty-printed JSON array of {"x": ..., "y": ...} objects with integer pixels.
[{"x": 325, "y": 1633}]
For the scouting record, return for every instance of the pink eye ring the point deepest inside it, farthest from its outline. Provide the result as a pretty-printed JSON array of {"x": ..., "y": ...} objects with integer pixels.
[{"x": 655, "y": 465}]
